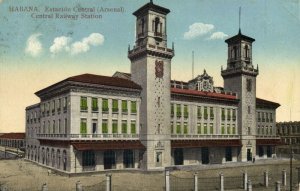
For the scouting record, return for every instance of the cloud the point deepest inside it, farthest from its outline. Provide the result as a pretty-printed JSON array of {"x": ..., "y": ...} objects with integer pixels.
[
  {"x": 60, "y": 44},
  {"x": 198, "y": 29},
  {"x": 217, "y": 36},
  {"x": 95, "y": 39},
  {"x": 64, "y": 44},
  {"x": 34, "y": 46}
]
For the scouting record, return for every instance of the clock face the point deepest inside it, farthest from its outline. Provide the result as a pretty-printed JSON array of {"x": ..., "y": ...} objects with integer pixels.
[{"x": 159, "y": 69}]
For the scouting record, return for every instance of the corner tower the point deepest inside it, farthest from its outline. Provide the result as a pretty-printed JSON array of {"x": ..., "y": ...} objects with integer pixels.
[
  {"x": 151, "y": 68},
  {"x": 240, "y": 77}
]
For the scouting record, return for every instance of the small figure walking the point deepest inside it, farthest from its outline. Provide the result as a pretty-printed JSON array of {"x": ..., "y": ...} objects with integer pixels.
[{"x": 253, "y": 160}]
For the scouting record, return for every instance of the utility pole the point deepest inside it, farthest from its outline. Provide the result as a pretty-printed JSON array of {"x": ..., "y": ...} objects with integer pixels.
[{"x": 291, "y": 167}]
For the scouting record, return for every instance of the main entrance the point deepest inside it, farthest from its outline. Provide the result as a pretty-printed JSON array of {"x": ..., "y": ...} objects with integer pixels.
[
  {"x": 128, "y": 159},
  {"x": 228, "y": 154},
  {"x": 109, "y": 159},
  {"x": 178, "y": 156},
  {"x": 205, "y": 155},
  {"x": 88, "y": 160},
  {"x": 249, "y": 155}
]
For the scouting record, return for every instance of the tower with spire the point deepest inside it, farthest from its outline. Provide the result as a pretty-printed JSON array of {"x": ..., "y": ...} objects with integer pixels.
[
  {"x": 240, "y": 77},
  {"x": 151, "y": 69}
]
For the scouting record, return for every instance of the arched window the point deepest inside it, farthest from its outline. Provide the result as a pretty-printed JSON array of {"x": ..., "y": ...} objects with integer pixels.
[
  {"x": 246, "y": 51},
  {"x": 52, "y": 157},
  {"x": 65, "y": 159},
  {"x": 157, "y": 30},
  {"x": 47, "y": 156},
  {"x": 58, "y": 158},
  {"x": 43, "y": 155},
  {"x": 35, "y": 153},
  {"x": 143, "y": 25}
]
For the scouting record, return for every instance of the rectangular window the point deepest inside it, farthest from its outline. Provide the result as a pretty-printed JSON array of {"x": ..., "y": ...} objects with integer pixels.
[
  {"x": 205, "y": 113},
  {"x": 83, "y": 129},
  {"x": 124, "y": 127},
  {"x": 53, "y": 107},
  {"x": 199, "y": 114},
  {"x": 258, "y": 117},
  {"x": 267, "y": 117},
  {"x": 53, "y": 127},
  {"x": 94, "y": 126},
  {"x": 205, "y": 128},
  {"x": 223, "y": 114},
  {"x": 178, "y": 110},
  {"x": 114, "y": 126},
  {"x": 228, "y": 129},
  {"x": 172, "y": 110},
  {"x": 172, "y": 130},
  {"x": 185, "y": 111},
  {"x": 58, "y": 105},
  {"x": 115, "y": 107},
  {"x": 104, "y": 105},
  {"x": 65, "y": 104},
  {"x": 199, "y": 128},
  {"x": 271, "y": 117},
  {"x": 211, "y": 128},
  {"x": 233, "y": 115},
  {"x": 185, "y": 128},
  {"x": 249, "y": 85},
  {"x": 83, "y": 104},
  {"x": 228, "y": 114},
  {"x": 263, "y": 117},
  {"x": 133, "y": 127},
  {"x": 222, "y": 129},
  {"x": 59, "y": 126},
  {"x": 66, "y": 126},
  {"x": 133, "y": 107},
  {"x": 124, "y": 106},
  {"x": 95, "y": 104},
  {"x": 267, "y": 130},
  {"x": 211, "y": 113},
  {"x": 233, "y": 129},
  {"x": 178, "y": 128},
  {"x": 104, "y": 126}
]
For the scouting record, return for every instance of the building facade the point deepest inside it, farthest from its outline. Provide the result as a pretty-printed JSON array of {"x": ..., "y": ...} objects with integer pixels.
[
  {"x": 289, "y": 133},
  {"x": 145, "y": 120}
]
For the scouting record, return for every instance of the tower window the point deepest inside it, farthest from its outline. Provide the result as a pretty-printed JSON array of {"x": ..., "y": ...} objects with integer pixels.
[
  {"x": 157, "y": 27},
  {"x": 249, "y": 85},
  {"x": 249, "y": 109},
  {"x": 247, "y": 51}
]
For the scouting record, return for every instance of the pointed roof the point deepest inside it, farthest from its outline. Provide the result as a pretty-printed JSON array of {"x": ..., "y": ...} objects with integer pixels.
[
  {"x": 239, "y": 37},
  {"x": 151, "y": 6}
]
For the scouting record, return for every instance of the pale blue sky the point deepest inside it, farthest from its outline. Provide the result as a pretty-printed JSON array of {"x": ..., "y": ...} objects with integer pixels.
[{"x": 275, "y": 24}]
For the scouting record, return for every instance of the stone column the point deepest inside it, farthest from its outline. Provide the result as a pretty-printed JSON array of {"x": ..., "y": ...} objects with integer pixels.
[
  {"x": 108, "y": 182},
  {"x": 196, "y": 181},
  {"x": 78, "y": 186},
  {"x": 245, "y": 180},
  {"x": 277, "y": 186},
  {"x": 283, "y": 177},
  {"x": 249, "y": 185},
  {"x": 266, "y": 179},
  {"x": 44, "y": 187},
  {"x": 167, "y": 178},
  {"x": 221, "y": 182}
]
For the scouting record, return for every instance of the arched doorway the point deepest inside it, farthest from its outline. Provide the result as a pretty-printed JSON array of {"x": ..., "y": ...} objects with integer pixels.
[{"x": 109, "y": 159}]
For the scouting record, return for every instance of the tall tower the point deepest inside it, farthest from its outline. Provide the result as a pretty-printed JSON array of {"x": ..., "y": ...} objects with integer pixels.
[
  {"x": 151, "y": 68},
  {"x": 240, "y": 77}
]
